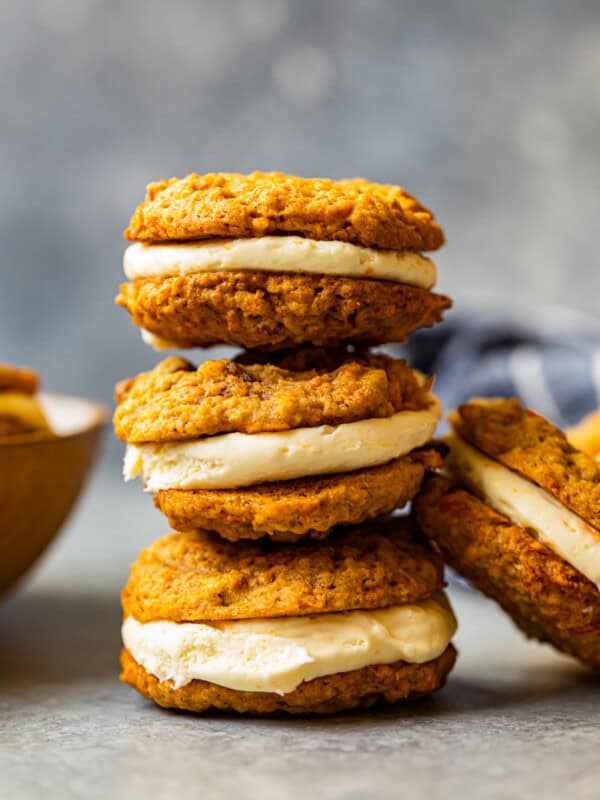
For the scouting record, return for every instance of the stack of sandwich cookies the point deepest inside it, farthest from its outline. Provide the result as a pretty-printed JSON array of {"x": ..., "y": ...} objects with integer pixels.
[
  {"x": 272, "y": 261},
  {"x": 520, "y": 518},
  {"x": 305, "y": 443},
  {"x": 314, "y": 627}
]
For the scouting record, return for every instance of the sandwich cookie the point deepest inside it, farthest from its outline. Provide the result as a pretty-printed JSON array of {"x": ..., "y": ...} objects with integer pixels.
[
  {"x": 272, "y": 261},
  {"x": 282, "y": 450},
  {"x": 520, "y": 518},
  {"x": 264, "y": 627},
  {"x": 20, "y": 412}
]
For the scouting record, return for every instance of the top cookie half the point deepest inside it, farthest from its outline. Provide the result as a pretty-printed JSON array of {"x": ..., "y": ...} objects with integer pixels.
[
  {"x": 229, "y": 205},
  {"x": 270, "y": 260}
]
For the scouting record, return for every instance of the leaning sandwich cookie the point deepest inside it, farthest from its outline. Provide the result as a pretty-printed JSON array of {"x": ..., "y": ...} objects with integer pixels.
[
  {"x": 259, "y": 627},
  {"x": 283, "y": 450},
  {"x": 272, "y": 261},
  {"x": 520, "y": 518}
]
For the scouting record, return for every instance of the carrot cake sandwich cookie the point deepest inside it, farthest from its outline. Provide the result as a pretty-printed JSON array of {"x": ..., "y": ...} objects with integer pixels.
[
  {"x": 520, "y": 518},
  {"x": 264, "y": 627},
  {"x": 286, "y": 449},
  {"x": 20, "y": 411},
  {"x": 271, "y": 261}
]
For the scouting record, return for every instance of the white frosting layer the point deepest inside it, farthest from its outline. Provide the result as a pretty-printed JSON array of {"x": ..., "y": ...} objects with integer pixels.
[
  {"x": 156, "y": 342},
  {"x": 526, "y": 504},
  {"x": 276, "y": 655},
  {"x": 233, "y": 460},
  {"x": 278, "y": 254}
]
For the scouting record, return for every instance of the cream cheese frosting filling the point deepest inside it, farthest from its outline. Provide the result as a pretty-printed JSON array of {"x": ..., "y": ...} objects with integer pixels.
[
  {"x": 528, "y": 505},
  {"x": 277, "y": 655},
  {"x": 156, "y": 342},
  {"x": 23, "y": 407},
  {"x": 232, "y": 460},
  {"x": 279, "y": 254}
]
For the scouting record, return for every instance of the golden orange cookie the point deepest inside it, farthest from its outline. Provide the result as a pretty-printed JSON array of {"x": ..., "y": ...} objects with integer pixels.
[
  {"x": 547, "y": 598},
  {"x": 315, "y": 627},
  {"x": 228, "y": 205},
  {"x": 361, "y": 688},
  {"x": 187, "y": 577},
  {"x": 306, "y": 507},
  {"x": 273, "y": 310},
  {"x": 380, "y": 293},
  {"x": 531, "y": 446},
  {"x": 177, "y": 401}
]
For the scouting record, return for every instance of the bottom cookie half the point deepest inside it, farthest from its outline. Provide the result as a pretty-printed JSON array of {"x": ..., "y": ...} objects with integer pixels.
[
  {"x": 277, "y": 310},
  {"x": 361, "y": 688},
  {"x": 545, "y": 596},
  {"x": 289, "y": 510}
]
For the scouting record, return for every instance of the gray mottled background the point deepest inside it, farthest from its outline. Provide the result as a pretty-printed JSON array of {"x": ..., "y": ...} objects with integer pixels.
[{"x": 488, "y": 111}]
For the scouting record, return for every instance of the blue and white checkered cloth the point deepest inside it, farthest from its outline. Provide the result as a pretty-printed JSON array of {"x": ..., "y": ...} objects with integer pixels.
[{"x": 549, "y": 359}]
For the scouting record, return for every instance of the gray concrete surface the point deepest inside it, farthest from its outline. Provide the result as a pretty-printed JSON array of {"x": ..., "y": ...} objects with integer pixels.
[{"x": 516, "y": 719}]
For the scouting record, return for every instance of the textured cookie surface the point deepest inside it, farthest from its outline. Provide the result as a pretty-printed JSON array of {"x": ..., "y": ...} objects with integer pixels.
[
  {"x": 276, "y": 310},
  {"x": 290, "y": 510},
  {"x": 383, "y": 683},
  {"x": 177, "y": 401},
  {"x": 226, "y": 205},
  {"x": 189, "y": 577},
  {"x": 542, "y": 593},
  {"x": 18, "y": 379},
  {"x": 536, "y": 449}
]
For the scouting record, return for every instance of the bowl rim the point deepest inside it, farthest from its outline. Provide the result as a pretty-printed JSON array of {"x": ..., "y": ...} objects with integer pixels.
[{"x": 99, "y": 419}]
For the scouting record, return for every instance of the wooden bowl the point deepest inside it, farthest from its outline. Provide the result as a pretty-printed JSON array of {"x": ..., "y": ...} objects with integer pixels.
[{"x": 40, "y": 479}]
